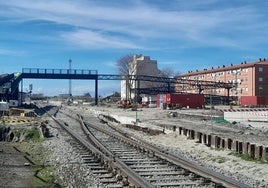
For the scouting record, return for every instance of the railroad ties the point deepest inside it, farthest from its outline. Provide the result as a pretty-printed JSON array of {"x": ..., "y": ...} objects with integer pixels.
[
  {"x": 117, "y": 160},
  {"x": 156, "y": 171}
]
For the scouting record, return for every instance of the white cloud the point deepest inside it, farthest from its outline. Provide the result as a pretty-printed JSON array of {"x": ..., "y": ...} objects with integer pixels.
[
  {"x": 111, "y": 64},
  {"x": 11, "y": 52},
  {"x": 93, "y": 40},
  {"x": 5, "y": 52},
  {"x": 97, "y": 23}
]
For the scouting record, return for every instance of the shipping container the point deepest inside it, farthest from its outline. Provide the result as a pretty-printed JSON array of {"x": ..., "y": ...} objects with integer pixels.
[
  {"x": 253, "y": 101},
  {"x": 182, "y": 100}
]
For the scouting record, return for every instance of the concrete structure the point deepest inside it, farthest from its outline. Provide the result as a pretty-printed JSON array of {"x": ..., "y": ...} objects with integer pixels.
[
  {"x": 141, "y": 65},
  {"x": 247, "y": 114},
  {"x": 216, "y": 142},
  {"x": 251, "y": 79}
]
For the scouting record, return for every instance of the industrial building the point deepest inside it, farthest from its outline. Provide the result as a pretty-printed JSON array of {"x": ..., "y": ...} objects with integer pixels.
[
  {"x": 250, "y": 79},
  {"x": 141, "y": 65}
]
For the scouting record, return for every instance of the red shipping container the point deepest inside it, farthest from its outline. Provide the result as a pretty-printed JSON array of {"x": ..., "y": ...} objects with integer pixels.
[
  {"x": 253, "y": 100},
  {"x": 185, "y": 100}
]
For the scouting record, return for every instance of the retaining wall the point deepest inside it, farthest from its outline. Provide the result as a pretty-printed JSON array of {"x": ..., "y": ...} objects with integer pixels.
[{"x": 251, "y": 149}]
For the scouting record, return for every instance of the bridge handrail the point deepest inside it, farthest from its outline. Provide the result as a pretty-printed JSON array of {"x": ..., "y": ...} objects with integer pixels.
[{"x": 59, "y": 71}]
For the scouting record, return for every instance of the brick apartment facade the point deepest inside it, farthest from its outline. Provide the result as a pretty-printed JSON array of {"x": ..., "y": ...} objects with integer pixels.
[{"x": 250, "y": 79}]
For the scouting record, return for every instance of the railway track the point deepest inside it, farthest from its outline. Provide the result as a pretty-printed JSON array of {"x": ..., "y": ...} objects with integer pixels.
[
  {"x": 121, "y": 161},
  {"x": 109, "y": 173},
  {"x": 158, "y": 167}
]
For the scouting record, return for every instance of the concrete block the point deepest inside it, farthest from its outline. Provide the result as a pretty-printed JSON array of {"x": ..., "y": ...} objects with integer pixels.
[
  {"x": 245, "y": 147},
  {"x": 265, "y": 153},
  {"x": 240, "y": 147},
  {"x": 251, "y": 150},
  {"x": 222, "y": 143},
  {"x": 218, "y": 142},
  {"x": 226, "y": 143},
  {"x": 213, "y": 141},
  {"x": 235, "y": 146},
  {"x": 180, "y": 130},
  {"x": 204, "y": 139},
  {"x": 188, "y": 133},
  {"x": 229, "y": 144},
  {"x": 258, "y": 152},
  {"x": 184, "y": 131},
  {"x": 191, "y": 134},
  {"x": 198, "y": 136},
  {"x": 208, "y": 140}
]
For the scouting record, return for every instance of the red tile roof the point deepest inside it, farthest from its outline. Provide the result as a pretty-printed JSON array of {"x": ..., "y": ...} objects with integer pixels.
[{"x": 225, "y": 68}]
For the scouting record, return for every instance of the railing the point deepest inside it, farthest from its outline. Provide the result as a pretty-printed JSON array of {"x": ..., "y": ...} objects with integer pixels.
[{"x": 59, "y": 71}]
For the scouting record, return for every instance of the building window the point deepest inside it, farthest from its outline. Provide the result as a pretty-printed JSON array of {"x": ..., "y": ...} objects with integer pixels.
[
  {"x": 260, "y": 90},
  {"x": 260, "y": 69},
  {"x": 246, "y": 89},
  {"x": 246, "y": 70},
  {"x": 260, "y": 79}
]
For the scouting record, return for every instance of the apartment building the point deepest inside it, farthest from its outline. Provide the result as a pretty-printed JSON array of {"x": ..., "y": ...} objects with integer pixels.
[{"x": 249, "y": 79}]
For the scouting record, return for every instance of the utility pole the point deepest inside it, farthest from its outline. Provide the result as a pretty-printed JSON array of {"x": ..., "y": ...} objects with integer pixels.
[{"x": 70, "y": 81}]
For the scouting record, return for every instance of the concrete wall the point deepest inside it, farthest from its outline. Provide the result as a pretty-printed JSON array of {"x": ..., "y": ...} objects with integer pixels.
[{"x": 252, "y": 115}]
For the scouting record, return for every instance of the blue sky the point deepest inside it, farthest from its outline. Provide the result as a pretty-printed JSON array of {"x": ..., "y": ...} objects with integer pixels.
[{"x": 180, "y": 34}]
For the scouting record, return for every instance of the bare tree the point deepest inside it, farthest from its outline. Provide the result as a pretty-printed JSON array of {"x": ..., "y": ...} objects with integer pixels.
[
  {"x": 123, "y": 64},
  {"x": 167, "y": 72}
]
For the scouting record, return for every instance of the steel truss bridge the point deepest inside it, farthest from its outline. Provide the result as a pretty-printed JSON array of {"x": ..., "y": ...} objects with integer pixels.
[{"x": 167, "y": 84}]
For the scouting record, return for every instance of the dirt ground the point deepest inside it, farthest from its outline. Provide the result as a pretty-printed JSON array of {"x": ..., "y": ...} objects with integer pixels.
[
  {"x": 15, "y": 169},
  {"x": 22, "y": 157}
]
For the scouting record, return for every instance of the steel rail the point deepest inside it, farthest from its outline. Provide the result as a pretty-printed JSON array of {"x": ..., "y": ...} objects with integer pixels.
[
  {"x": 133, "y": 177},
  {"x": 113, "y": 162},
  {"x": 194, "y": 167}
]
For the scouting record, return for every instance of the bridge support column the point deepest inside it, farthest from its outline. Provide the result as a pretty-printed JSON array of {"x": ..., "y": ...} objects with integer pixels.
[
  {"x": 21, "y": 92},
  {"x": 96, "y": 92}
]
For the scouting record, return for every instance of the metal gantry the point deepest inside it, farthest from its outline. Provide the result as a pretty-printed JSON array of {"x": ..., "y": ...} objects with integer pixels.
[{"x": 167, "y": 85}]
